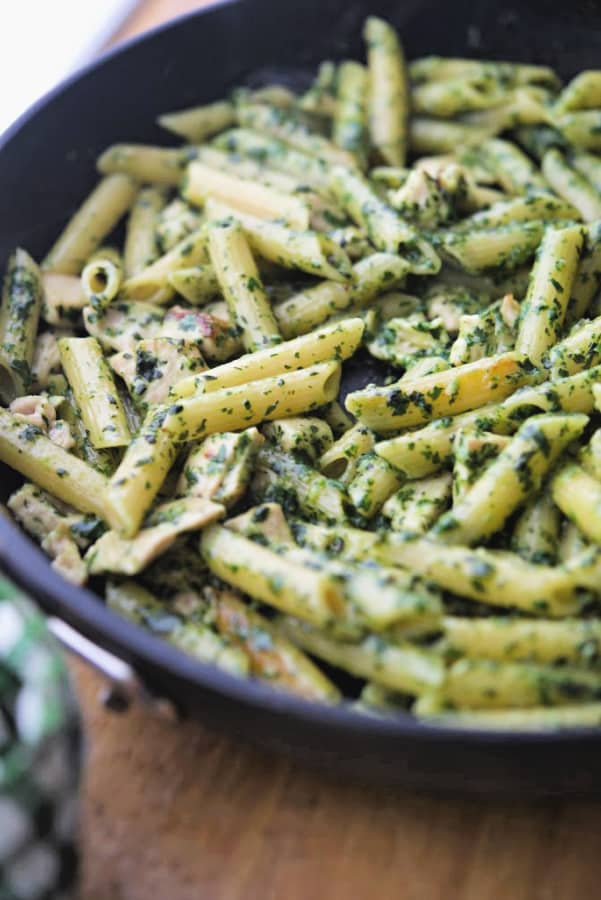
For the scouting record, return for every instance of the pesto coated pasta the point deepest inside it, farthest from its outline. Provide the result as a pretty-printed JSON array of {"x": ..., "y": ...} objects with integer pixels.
[{"x": 335, "y": 396}]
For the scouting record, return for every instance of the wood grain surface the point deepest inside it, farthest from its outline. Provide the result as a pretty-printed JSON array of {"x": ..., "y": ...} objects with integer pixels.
[{"x": 174, "y": 812}]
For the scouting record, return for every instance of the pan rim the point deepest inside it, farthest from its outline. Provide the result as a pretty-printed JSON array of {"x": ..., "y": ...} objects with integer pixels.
[{"x": 26, "y": 564}]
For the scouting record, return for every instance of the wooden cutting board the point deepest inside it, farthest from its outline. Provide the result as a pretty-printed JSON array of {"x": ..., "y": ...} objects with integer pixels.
[{"x": 175, "y": 812}]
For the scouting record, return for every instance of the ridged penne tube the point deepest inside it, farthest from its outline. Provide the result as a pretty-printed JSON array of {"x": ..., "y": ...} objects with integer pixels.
[
  {"x": 94, "y": 220},
  {"x": 490, "y": 248},
  {"x": 580, "y": 350},
  {"x": 27, "y": 449},
  {"x": 540, "y": 206},
  {"x": 314, "y": 596},
  {"x": 309, "y": 309},
  {"x": 388, "y": 93},
  {"x": 337, "y": 341},
  {"x": 520, "y": 106},
  {"x": 156, "y": 165},
  {"x": 445, "y": 393},
  {"x": 197, "y": 123},
  {"x": 19, "y": 317},
  {"x": 492, "y": 577},
  {"x": 434, "y": 136},
  {"x": 272, "y": 657},
  {"x": 102, "y": 460},
  {"x": 241, "y": 286},
  {"x": 102, "y": 277},
  {"x": 514, "y": 171},
  {"x": 323, "y": 212},
  {"x": 582, "y": 128},
  {"x": 247, "y": 195},
  {"x": 570, "y": 185},
  {"x": 277, "y": 154},
  {"x": 340, "y": 461},
  {"x": 95, "y": 392},
  {"x": 514, "y": 476},
  {"x": 373, "y": 483},
  {"x": 445, "y": 99},
  {"x": 349, "y": 124},
  {"x": 544, "y": 309},
  {"x": 402, "y": 667},
  {"x": 151, "y": 283},
  {"x": 417, "y": 505},
  {"x": 384, "y": 227},
  {"x": 589, "y": 165},
  {"x": 587, "y": 282},
  {"x": 140, "y": 248},
  {"x": 489, "y": 684},
  {"x": 578, "y": 495},
  {"x": 135, "y": 483},
  {"x": 308, "y": 436},
  {"x": 281, "y": 126},
  {"x": 305, "y": 487},
  {"x": 440, "y": 68},
  {"x": 309, "y": 251},
  {"x": 134, "y": 602},
  {"x": 243, "y": 405},
  {"x": 536, "y": 532},
  {"x": 352, "y": 544},
  {"x": 383, "y": 599},
  {"x": 427, "y": 450},
  {"x": 197, "y": 284},
  {"x": 572, "y": 640},
  {"x": 535, "y": 718}
]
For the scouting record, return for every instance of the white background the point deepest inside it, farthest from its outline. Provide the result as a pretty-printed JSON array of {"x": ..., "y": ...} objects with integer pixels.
[{"x": 42, "y": 41}]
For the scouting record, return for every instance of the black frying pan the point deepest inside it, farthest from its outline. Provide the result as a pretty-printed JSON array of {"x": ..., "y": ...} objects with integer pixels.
[{"x": 47, "y": 167}]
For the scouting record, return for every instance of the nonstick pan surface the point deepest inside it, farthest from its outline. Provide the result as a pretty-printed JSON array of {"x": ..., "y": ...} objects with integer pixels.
[{"x": 46, "y": 168}]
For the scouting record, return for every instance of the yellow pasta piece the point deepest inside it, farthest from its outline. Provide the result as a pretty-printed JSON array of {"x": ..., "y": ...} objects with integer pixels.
[
  {"x": 259, "y": 571},
  {"x": 540, "y": 640},
  {"x": 388, "y": 98},
  {"x": 578, "y": 496},
  {"x": 241, "y": 284},
  {"x": 514, "y": 476},
  {"x": 95, "y": 218},
  {"x": 337, "y": 341},
  {"x": 157, "y": 165},
  {"x": 248, "y": 196},
  {"x": 549, "y": 291},
  {"x": 27, "y": 450},
  {"x": 403, "y": 667},
  {"x": 94, "y": 391},
  {"x": 455, "y": 390},
  {"x": 243, "y": 405}
]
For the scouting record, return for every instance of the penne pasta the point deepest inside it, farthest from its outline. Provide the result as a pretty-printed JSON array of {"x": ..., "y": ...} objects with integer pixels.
[
  {"x": 19, "y": 316},
  {"x": 445, "y": 393},
  {"x": 94, "y": 220},
  {"x": 241, "y": 286},
  {"x": 94, "y": 392},
  {"x": 388, "y": 97}
]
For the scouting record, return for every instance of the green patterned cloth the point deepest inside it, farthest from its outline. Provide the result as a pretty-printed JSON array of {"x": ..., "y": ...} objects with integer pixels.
[{"x": 39, "y": 757}]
